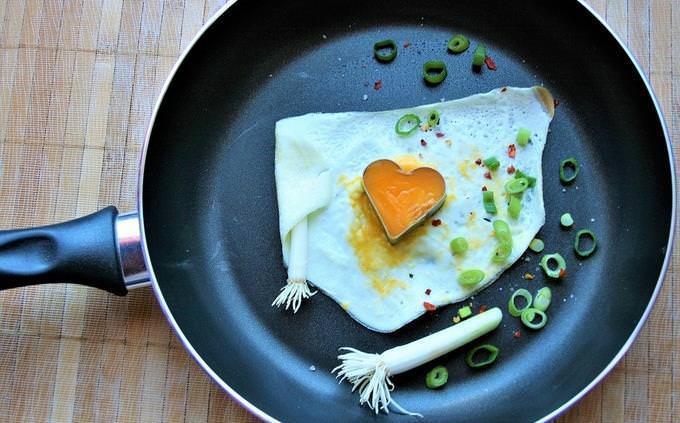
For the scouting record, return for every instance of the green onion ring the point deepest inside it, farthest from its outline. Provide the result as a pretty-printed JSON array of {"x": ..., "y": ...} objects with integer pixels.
[
  {"x": 464, "y": 312},
  {"x": 493, "y": 354},
  {"x": 479, "y": 56},
  {"x": 531, "y": 179},
  {"x": 492, "y": 163},
  {"x": 382, "y": 45},
  {"x": 517, "y": 185},
  {"x": 501, "y": 252},
  {"x": 489, "y": 204},
  {"x": 530, "y": 314},
  {"x": 471, "y": 277},
  {"x": 523, "y": 137},
  {"x": 413, "y": 122},
  {"x": 458, "y": 44},
  {"x": 564, "y": 164},
  {"x": 580, "y": 234},
  {"x": 434, "y": 71},
  {"x": 514, "y": 206},
  {"x": 512, "y": 306},
  {"x": 458, "y": 245},
  {"x": 437, "y": 377},
  {"x": 536, "y": 245},
  {"x": 558, "y": 259},
  {"x": 542, "y": 299},
  {"x": 566, "y": 220},
  {"x": 502, "y": 231},
  {"x": 433, "y": 118}
]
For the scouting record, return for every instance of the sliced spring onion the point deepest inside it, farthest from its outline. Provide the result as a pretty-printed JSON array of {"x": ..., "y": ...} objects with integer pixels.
[
  {"x": 531, "y": 179},
  {"x": 433, "y": 118},
  {"x": 490, "y": 349},
  {"x": 479, "y": 56},
  {"x": 577, "y": 242},
  {"x": 548, "y": 260},
  {"x": 385, "y": 51},
  {"x": 517, "y": 185},
  {"x": 568, "y": 163},
  {"x": 489, "y": 204},
  {"x": 512, "y": 304},
  {"x": 437, "y": 377},
  {"x": 502, "y": 231},
  {"x": 566, "y": 220},
  {"x": 465, "y": 312},
  {"x": 492, "y": 163},
  {"x": 501, "y": 252},
  {"x": 434, "y": 71},
  {"x": 536, "y": 245},
  {"x": 458, "y": 44},
  {"x": 523, "y": 136},
  {"x": 458, "y": 245},
  {"x": 530, "y": 314},
  {"x": 514, "y": 206},
  {"x": 542, "y": 299},
  {"x": 471, "y": 277},
  {"x": 407, "y": 124}
]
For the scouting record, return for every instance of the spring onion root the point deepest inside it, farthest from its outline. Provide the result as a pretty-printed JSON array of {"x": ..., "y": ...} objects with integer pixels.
[
  {"x": 296, "y": 288},
  {"x": 370, "y": 373}
]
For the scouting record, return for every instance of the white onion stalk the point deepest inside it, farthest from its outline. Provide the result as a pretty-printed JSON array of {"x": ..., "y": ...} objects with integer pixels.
[
  {"x": 370, "y": 373},
  {"x": 296, "y": 288}
]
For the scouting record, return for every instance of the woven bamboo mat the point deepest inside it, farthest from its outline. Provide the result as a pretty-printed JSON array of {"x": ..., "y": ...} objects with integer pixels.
[{"x": 78, "y": 79}]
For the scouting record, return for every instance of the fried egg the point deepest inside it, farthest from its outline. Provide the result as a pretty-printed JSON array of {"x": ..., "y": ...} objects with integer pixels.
[{"x": 319, "y": 163}]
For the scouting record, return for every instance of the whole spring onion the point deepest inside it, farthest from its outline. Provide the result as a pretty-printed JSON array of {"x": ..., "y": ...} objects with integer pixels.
[
  {"x": 490, "y": 349},
  {"x": 489, "y": 204},
  {"x": 407, "y": 124},
  {"x": 514, "y": 207},
  {"x": 577, "y": 242},
  {"x": 531, "y": 179},
  {"x": 458, "y": 44},
  {"x": 568, "y": 163},
  {"x": 471, "y": 277},
  {"x": 492, "y": 163},
  {"x": 548, "y": 260},
  {"x": 566, "y": 220},
  {"x": 516, "y": 186},
  {"x": 458, "y": 245},
  {"x": 501, "y": 252},
  {"x": 370, "y": 373},
  {"x": 437, "y": 377},
  {"x": 542, "y": 299},
  {"x": 512, "y": 304},
  {"x": 465, "y": 312},
  {"x": 523, "y": 136},
  {"x": 479, "y": 56},
  {"x": 536, "y": 245},
  {"x": 530, "y": 314},
  {"x": 433, "y": 118},
  {"x": 385, "y": 51},
  {"x": 434, "y": 71},
  {"x": 296, "y": 288},
  {"x": 502, "y": 231}
]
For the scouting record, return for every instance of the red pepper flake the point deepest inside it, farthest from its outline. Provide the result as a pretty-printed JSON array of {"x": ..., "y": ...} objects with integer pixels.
[
  {"x": 504, "y": 89},
  {"x": 377, "y": 84},
  {"x": 511, "y": 169},
  {"x": 563, "y": 273},
  {"x": 512, "y": 151},
  {"x": 436, "y": 222},
  {"x": 517, "y": 334},
  {"x": 428, "y": 291},
  {"x": 484, "y": 188},
  {"x": 440, "y": 135},
  {"x": 482, "y": 309},
  {"x": 429, "y": 307},
  {"x": 407, "y": 44},
  {"x": 490, "y": 63},
  {"x": 487, "y": 175},
  {"x": 556, "y": 102},
  {"x": 423, "y": 143},
  {"x": 478, "y": 162}
]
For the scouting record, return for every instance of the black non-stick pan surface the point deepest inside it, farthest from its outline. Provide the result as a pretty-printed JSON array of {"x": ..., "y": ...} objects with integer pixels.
[{"x": 211, "y": 221}]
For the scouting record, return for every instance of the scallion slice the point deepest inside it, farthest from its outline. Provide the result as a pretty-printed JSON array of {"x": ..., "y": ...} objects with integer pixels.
[
  {"x": 542, "y": 299},
  {"x": 501, "y": 252},
  {"x": 530, "y": 314},
  {"x": 492, "y": 163},
  {"x": 437, "y": 377},
  {"x": 489, "y": 204},
  {"x": 531, "y": 179},
  {"x": 385, "y": 51},
  {"x": 434, "y": 71},
  {"x": 407, "y": 124},
  {"x": 458, "y": 44},
  {"x": 433, "y": 118},
  {"x": 568, "y": 163},
  {"x": 548, "y": 260},
  {"x": 566, "y": 220},
  {"x": 517, "y": 185},
  {"x": 471, "y": 277},
  {"x": 577, "y": 242},
  {"x": 479, "y": 56},
  {"x": 512, "y": 305},
  {"x": 465, "y": 312},
  {"x": 490, "y": 349},
  {"x": 502, "y": 231},
  {"x": 523, "y": 136},
  {"x": 458, "y": 245},
  {"x": 514, "y": 206},
  {"x": 536, "y": 245}
]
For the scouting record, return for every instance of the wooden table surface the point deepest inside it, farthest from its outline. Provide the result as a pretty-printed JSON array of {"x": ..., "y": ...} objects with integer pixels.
[{"x": 78, "y": 79}]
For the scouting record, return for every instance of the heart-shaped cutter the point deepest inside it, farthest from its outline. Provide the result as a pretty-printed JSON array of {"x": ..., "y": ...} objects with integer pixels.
[{"x": 437, "y": 194}]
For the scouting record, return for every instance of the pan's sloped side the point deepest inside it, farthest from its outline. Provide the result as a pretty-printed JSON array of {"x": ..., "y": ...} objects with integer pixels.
[{"x": 209, "y": 209}]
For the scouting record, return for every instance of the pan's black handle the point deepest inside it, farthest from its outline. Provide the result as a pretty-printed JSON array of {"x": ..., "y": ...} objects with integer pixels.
[{"x": 102, "y": 250}]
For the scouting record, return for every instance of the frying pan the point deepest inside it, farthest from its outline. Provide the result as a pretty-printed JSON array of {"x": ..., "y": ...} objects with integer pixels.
[{"x": 206, "y": 234}]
